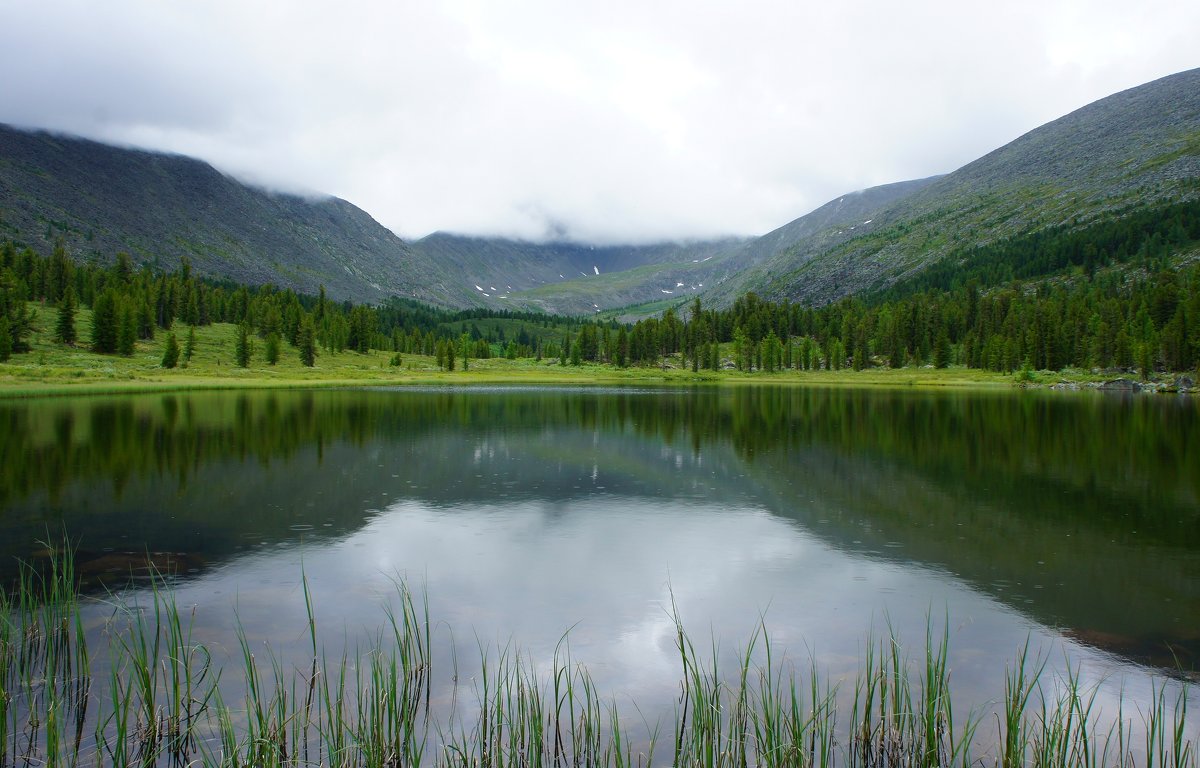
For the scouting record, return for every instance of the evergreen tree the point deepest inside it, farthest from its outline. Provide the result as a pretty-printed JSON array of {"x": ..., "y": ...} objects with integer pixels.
[
  {"x": 307, "y": 343},
  {"x": 189, "y": 346},
  {"x": 272, "y": 352},
  {"x": 14, "y": 310},
  {"x": 145, "y": 319},
  {"x": 104, "y": 322},
  {"x": 743, "y": 354},
  {"x": 60, "y": 273},
  {"x": 589, "y": 343},
  {"x": 126, "y": 329},
  {"x": 1145, "y": 360},
  {"x": 191, "y": 309},
  {"x": 123, "y": 269},
  {"x": 170, "y": 352},
  {"x": 860, "y": 346},
  {"x": 6, "y": 342},
  {"x": 941, "y": 352},
  {"x": 64, "y": 329},
  {"x": 242, "y": 348}
]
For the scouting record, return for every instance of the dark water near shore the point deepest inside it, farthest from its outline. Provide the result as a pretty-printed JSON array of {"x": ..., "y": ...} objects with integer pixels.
[{"x": 1071, "y": 520}]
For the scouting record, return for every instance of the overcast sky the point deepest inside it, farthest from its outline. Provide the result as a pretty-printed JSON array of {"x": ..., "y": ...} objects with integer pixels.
[{"x": 601, "y": 121}]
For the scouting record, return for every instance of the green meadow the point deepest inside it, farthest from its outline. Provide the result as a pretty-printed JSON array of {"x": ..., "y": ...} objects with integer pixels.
[{"x": 54, "y": 368}]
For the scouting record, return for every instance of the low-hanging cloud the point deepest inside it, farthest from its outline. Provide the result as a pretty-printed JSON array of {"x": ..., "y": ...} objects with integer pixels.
[{"x": 602, "y": 121}]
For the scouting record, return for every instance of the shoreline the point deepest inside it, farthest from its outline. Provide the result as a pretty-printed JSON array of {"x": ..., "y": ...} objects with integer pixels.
[
  {"x": 510, "y": 372},
  {"x": 50, "y": 369}
]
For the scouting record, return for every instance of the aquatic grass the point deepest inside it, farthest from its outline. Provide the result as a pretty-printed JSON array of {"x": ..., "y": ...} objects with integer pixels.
[
  {"x": 1167, "y": 744},
  {"x": 161, "y": 701},
  {"x": 171, "y": 681},
  {"x": 45, "y": 677},
  {"x": 1020, "y": 683}
]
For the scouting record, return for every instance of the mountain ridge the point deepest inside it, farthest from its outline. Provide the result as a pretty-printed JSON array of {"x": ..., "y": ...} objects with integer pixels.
[
  {"x": 1139, "y": 147},
  {"x": 161, "y": 207}
]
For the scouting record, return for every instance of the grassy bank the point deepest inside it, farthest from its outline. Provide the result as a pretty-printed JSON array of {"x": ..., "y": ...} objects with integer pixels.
[
  {"x": 160, "y": 702},
  {"x": 52, "y": 368}
]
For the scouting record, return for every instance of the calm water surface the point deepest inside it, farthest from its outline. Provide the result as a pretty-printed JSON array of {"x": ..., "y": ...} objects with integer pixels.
[{"x": 1072, "y": 521}]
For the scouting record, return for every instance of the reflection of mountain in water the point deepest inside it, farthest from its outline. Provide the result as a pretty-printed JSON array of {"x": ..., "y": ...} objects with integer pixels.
[
  {"x": 194, "y": 480},
  {"x": 1080, "y": 512}
]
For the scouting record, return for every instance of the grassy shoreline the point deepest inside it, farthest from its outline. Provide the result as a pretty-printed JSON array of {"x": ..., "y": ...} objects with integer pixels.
[{"x": 52, "y": 369}]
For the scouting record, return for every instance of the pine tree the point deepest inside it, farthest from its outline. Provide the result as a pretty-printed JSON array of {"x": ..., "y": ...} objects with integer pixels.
[
  {"x": 64, "y": 329},
  {"x": 189, "y": 346},
  {"x": 145, "y": 319},
  {"x": 307, "y": 343},
  {"x": 742, "y": 353},
  {"x": 104, "y": 322},
  {"x": 1145, "y": 360},
  {"x": 171, "y": 352},
  {"x": 272, "y": 352},
  {"x": 242, "y": 348},
  {"x": 191, "y": 309},
  {"x": 59, "y": 273},
  {"x": 6, "y": 342},
  {"x": 126, "y": 329},
  {"x": 941, "y": 352}
]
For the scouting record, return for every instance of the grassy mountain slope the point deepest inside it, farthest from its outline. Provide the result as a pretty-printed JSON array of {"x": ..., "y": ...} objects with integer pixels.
[
  {"x": 1136, "y": 149},
  {"x": 160, "y": 208},
  {"x": 696, "y": 269},
  {"x": 572, "y": 278}
]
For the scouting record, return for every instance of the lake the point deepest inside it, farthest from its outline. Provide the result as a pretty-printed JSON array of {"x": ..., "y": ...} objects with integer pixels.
[{"x": 533, "y": 520}]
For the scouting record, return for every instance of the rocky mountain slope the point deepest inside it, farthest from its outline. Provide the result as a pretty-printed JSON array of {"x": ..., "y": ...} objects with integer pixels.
[
  {"x": 572, "y": 278},
  {"x": 681, "y": 271},
  {"x": 160, "y": 208},
  {"x": 1129, "y": 151}
]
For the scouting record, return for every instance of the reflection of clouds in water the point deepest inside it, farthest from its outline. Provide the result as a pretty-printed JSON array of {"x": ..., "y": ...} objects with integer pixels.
[{"x": 607, "y": 568}]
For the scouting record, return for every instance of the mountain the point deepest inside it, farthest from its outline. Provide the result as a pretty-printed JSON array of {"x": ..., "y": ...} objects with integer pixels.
[
  {"x": 1131, "y": 151},
  {"x": 644, "y": 279},
  {"x": 572, "y": 278},
  {"x": 160, "y": 208},
  {"x": 1135, "y": 151}
]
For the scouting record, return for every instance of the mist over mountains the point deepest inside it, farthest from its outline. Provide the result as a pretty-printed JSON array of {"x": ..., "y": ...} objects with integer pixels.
[{"x": 1136, "y": 149}]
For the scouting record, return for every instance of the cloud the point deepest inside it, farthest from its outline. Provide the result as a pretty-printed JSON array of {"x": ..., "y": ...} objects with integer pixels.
[{"x": 613, "y": 121}]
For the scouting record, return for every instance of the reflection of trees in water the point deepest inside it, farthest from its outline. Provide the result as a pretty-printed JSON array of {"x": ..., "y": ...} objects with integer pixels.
[
  {"x": 1144, "y": 446},
  {"x": 908, "y": 465},
  {"x": 1144, "y": 452}
]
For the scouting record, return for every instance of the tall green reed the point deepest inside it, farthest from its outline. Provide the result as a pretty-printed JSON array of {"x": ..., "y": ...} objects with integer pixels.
[{"x": 161, "y": 702}]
